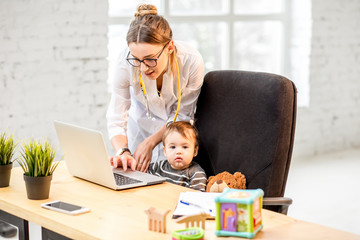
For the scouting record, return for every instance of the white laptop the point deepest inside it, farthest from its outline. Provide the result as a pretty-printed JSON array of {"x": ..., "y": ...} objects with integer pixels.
[{"x": 86, "y": 157}]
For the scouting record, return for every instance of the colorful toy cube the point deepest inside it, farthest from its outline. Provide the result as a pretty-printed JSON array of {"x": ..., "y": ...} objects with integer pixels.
[{"x": 238, "y": 213}]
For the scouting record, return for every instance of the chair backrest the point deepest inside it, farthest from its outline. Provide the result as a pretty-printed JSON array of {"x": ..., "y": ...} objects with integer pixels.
[{"x": 246, "y": 123}]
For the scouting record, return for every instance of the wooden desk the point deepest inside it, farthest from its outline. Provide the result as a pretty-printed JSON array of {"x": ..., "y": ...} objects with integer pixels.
[{"x": 120, "y": 214}]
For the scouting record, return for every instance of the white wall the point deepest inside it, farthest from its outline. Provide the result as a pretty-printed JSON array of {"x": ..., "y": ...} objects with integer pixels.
[
  {"x": 53, "y": 66},
  {"x": 332, "y": 121}
]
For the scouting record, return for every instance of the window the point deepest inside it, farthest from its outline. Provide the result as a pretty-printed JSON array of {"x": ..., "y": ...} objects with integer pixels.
[{"x": 249, "y": 35}]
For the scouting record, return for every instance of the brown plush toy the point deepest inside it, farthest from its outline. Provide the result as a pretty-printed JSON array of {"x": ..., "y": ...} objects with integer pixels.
[{"x": 226, "y": 180}]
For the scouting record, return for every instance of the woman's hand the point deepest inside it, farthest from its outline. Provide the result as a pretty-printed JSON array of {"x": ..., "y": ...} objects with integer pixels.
[
  {"x": 143, "y": 155},
  {"x": 125, "y": 160}
]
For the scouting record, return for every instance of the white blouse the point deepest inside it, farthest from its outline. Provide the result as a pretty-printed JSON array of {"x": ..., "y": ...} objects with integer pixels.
[{"x": 126, "y": 114}]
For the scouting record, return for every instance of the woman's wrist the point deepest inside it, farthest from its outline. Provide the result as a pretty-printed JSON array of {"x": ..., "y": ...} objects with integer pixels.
[
  {"x": 150, "y": 142},
  {"x": 156, "y": 138},
  {"x": 123, "y": 150}
]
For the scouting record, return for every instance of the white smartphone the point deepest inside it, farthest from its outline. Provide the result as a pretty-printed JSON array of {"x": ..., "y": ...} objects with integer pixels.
[{"x": 64, "y": 207}]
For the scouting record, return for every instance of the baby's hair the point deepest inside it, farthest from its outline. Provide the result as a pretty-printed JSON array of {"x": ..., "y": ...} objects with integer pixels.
[{"x": 186, "y": 129}]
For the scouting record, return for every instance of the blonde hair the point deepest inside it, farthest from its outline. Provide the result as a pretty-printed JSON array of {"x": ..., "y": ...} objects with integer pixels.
[
  {"x": 149, "y": 27},
  {"x": 185, "y": 129}
]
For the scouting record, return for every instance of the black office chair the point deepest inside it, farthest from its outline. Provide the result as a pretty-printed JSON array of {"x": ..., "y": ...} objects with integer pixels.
[{"x": 246, "y": 123}]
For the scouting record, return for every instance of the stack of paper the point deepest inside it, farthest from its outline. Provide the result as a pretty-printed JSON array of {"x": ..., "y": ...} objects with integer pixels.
[{"x": 191, "y": 203}]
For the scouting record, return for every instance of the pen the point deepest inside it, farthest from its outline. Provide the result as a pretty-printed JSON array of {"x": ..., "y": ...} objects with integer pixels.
[{"x": 193, "y": 204}]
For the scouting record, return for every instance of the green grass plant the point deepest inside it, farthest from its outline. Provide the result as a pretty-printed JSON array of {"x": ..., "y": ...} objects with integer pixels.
[
  {"x": 7, "y": 148},
  {"x": 37, "y": 158}
]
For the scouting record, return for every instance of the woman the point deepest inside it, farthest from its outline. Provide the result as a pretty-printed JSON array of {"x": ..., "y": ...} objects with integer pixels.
[{"x": 145, "y": 93}]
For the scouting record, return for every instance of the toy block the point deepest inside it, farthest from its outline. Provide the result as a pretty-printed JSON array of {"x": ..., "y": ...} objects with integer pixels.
[
  {"x": 238, "y": 213},
  {"x": 157, "y": 220}
]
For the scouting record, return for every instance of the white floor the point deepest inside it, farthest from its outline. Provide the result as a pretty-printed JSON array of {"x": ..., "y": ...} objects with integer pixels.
[{"x": 325, "y": 190}]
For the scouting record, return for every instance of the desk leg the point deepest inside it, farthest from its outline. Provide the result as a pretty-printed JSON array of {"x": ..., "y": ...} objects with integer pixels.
[
  {"x": 21, "y": 224},
  {"x": 50, "y": 235}
]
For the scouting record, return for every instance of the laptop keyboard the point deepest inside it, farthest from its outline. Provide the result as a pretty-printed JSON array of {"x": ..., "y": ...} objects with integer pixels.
[{"x": 123, "y": 180}]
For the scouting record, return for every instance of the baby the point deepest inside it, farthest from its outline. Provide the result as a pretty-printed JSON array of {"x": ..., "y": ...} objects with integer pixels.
[{"x": 180, "y": 142}]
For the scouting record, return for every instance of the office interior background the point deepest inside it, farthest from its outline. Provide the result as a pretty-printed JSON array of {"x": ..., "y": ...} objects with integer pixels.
[{"x": 56, "y": 60}]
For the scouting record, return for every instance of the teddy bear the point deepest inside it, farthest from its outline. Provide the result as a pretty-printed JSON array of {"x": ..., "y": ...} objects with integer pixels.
[{"x": 224, "y": 180}]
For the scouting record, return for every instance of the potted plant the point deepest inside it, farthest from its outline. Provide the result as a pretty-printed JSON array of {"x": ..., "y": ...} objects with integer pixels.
[
  {"x": 37, "y": 161},
  {"x": 7, "y": 149}
]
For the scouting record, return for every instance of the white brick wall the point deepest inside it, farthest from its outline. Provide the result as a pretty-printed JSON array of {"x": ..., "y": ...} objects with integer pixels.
[
  {"x": 52, "y": 65},
  {"x": 332, "y": 121}
]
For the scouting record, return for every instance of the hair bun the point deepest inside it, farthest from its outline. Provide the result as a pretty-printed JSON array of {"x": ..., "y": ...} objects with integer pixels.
[{"x": 146, "y": 9}]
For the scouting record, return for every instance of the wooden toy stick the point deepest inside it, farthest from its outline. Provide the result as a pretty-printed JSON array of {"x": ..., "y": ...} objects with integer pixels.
[
  {"x": 195, "y": 220},
  {"x": 157, "y": 220}
]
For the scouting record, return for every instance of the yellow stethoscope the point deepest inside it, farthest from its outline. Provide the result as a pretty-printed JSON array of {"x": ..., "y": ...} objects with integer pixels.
[{"x": 142, "y": 85}]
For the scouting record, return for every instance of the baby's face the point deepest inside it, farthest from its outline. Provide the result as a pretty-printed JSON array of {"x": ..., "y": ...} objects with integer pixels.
[{"x": 179, "y": 150}]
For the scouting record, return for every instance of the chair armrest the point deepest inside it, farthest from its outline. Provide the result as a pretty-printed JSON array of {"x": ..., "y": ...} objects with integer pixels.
[
  {"x": 282, "y": 202},
  {"x": 7, "y": 230},
  {"x": 270, "y": 201}
]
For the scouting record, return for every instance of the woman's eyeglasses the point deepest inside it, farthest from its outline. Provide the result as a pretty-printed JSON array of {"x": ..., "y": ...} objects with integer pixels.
[{"x": 149, "y": 62}]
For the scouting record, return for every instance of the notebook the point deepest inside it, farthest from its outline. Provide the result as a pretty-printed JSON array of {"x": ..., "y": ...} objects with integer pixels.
[
  {"x": 86, "y": 157},
  {"x": 191, "y": 203}
]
